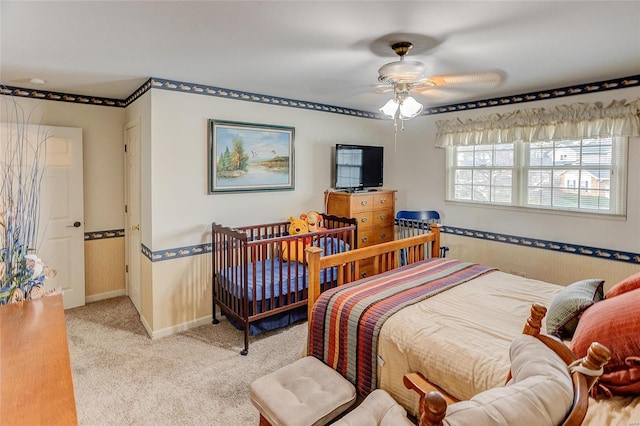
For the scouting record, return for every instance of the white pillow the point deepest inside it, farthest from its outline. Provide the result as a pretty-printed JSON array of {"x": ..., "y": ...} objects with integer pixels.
[{"x": 540, "y": 392}]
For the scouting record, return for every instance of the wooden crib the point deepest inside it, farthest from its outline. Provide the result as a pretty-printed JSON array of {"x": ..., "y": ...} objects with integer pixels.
[{"x": 255, "y": 288}]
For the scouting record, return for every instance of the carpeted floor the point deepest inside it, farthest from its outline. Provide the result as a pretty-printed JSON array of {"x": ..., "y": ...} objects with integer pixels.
[{"x": 122, "y": 377}]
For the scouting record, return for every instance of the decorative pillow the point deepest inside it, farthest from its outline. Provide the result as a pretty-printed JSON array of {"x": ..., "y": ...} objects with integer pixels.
[
  {"x": 615, "y": 323},
  {"x": 539, "y": 393},
  {"x": 567, "y": 306},
  {"x": 628, "y": 284}
]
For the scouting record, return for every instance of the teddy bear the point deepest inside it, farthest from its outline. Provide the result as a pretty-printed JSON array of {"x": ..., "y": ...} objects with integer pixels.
[
  {"x": 314, "y": 219},
  {"x": 296, "y": 227}
]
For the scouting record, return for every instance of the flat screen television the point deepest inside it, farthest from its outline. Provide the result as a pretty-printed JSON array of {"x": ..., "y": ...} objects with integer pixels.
[{"x": 358, "y": 167}]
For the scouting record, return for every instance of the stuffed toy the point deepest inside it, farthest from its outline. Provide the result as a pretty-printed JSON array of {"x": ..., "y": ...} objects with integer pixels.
[
  {"x": 297, "y": 254},
  {"x": 314, "y": 219}
]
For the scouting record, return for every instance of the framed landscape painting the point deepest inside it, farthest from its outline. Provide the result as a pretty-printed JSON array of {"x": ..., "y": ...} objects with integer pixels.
[{"x": 250, "y": 157}]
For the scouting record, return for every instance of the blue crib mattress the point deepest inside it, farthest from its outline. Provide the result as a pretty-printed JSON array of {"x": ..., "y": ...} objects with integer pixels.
[{"x": 289, "y": 276}]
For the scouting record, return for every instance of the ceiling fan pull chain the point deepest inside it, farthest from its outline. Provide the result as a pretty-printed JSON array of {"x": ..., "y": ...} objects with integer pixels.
[{"x": 395, "y": 135}]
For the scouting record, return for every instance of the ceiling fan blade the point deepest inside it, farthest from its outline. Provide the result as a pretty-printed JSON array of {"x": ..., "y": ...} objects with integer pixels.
[
  {"x": 441, "y": 94},
  {"x": 383, "y": 88},
  {"x": 476, "y": 79}
]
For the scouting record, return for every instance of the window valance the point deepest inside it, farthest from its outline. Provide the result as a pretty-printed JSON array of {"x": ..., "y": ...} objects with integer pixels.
[{"x": 576, "y": 121}]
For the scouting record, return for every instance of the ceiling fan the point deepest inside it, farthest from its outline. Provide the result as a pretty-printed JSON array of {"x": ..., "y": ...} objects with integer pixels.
[{"x": 405, "y": 77}]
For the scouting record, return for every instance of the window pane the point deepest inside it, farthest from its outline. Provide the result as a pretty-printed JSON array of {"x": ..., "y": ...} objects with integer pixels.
[
  {"x": 564, "y": 198},
  {"x": 481, "y": 177},
  {"x": 539, "y": 197},
  {"x": 463, "y": 176},
  {"x": 462, "y": 192},
  {"x": 464, "y": 158},
  {"x": 539, "y": 178},
  {"x": 481, "y": 193},
  {"x": 502, "y": 177},
  {"x": 482, "y": 158},
  {"x": 596, "y": 153},
  {"x": 501, "y": 195}
]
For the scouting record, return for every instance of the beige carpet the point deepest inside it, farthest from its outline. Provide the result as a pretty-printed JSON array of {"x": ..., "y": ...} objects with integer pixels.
[{"x": 122, "y": 377}]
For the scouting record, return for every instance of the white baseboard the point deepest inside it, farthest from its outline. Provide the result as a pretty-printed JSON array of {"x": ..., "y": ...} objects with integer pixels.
[
  {"x": 158, "y": 333},
  {"x": 146, "y": 326},
  {"x": 102, "y": 296},
  {"x": 177, "y": 328}
]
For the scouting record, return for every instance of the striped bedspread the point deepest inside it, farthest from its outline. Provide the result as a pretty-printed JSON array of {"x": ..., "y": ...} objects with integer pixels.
[{"x": 346, "y": 321}]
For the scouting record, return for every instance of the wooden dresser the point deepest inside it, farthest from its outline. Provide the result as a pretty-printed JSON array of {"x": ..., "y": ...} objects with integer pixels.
[
  {"x": 374, "y": 210},
  {"x": 36, "y": 387}
]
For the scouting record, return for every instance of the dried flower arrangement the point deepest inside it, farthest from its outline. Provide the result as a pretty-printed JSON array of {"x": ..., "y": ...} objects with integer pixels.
[{"x": 22, "y": 161}]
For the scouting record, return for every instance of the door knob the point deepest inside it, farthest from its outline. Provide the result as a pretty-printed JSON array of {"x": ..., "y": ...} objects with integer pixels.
[{"x": 76, "y": 224}]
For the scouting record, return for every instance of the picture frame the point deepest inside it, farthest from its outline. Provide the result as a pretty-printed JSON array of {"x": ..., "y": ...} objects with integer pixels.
[{"x": 249, "y": 157}]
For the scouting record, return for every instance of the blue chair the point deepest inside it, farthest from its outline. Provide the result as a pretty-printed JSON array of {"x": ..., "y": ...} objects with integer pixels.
[{"x": 410, "y": 223}]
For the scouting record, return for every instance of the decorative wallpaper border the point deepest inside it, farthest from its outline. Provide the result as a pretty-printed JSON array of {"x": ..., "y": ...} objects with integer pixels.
[
  {"x": 600, "y": 86},
  {"x": 139, "y": 92},
  {"x": 200, "y": 89},
  {"x": 601, "y": 253},
  {"x": 177, "y": 253},
  {"x": 102, "y": 235},
  {"x": 60, "y": 97}
]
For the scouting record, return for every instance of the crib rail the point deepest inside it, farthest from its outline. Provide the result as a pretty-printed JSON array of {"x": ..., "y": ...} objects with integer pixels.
[{"x": 252, "y": 281}]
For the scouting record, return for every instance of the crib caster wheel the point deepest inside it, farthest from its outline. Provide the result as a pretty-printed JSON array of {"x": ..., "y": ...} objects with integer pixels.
[
  {"x": 215, "y": 321},
  {"x": 244, "y": 352}
]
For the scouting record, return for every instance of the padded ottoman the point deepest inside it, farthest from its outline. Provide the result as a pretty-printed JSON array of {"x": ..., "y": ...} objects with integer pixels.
[{"x": 304, "y": 393}]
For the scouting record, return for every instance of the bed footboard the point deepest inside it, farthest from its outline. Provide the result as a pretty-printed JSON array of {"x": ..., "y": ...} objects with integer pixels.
[{"x": 386, "y": 256}]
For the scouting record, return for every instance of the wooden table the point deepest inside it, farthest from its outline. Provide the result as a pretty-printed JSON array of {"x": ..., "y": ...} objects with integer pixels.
[{"x": 35, "y": 371}]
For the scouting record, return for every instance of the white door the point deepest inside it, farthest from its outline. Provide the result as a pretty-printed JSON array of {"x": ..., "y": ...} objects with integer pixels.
[
  {"x": 61, "y": 234},
  {"x": 133, "y": 239}
]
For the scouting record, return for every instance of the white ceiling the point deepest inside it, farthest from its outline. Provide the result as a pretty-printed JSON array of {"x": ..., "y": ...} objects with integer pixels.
[{"x": 321, "y": 51}]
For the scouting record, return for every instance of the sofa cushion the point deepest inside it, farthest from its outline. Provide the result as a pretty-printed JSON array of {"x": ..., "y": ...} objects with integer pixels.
[
  {"x": 628, "y": 284},
  {"x": 377, "y": 409},
  {"x": 615, "y": 323},
  {"x": 567, "y": 306},
  {"x": 539, "y": 394},
  {"x": 304, "y": 393}
]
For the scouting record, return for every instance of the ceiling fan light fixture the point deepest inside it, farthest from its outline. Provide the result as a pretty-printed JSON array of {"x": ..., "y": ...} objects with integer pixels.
[
  {"x": 409, "y": 108},
  {"x": 390, "y": 108},
  {"x": 407, "y": 105}
]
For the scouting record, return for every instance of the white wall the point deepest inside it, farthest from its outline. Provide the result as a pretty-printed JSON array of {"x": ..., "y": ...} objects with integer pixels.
[
  {"x": 182, "y": 209},
  {"x": 420, "y": 174},
  {"x": 102, "y": 135}
]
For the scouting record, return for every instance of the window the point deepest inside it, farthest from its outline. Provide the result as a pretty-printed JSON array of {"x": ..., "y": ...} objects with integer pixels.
[
  {"x": 587, "y": 175},
  {"x": 484, "y": 173}
]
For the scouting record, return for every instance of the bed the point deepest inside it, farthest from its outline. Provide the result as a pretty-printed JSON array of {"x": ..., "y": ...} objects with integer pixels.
[
  {"x": 254, "y": 287},
  {"x": 456, "y": 331}
]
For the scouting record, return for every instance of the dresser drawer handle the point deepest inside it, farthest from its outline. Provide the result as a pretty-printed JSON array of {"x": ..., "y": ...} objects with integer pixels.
[
  {"x": 383, "y": 200},
  {"x": 363, "y": 220},
  {"x": 383, "y": 216},
  {"x": 363, "y": 202},
  {"x": 383, "y": 235},
  {"x": 363, "y": 274},
  {"x": 364, "y": 239}
]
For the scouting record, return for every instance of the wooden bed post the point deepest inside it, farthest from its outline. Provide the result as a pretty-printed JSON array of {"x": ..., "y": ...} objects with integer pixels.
[
  {"x": 435, "y": 246},
  {"x": 313, "y": 288},
  {"x": 534, "y": 322}
]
